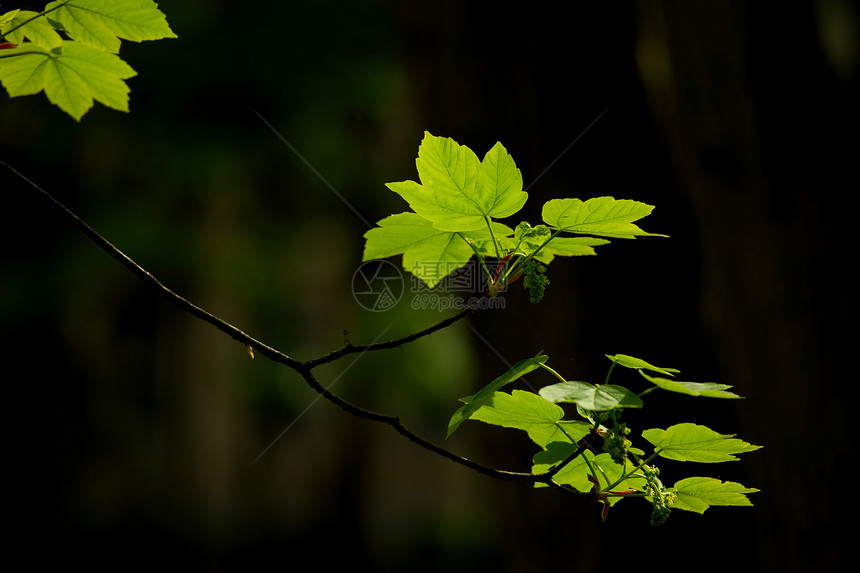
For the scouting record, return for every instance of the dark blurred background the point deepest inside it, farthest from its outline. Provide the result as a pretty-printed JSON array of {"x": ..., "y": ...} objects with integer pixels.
[{"x": 137, "y": 435}]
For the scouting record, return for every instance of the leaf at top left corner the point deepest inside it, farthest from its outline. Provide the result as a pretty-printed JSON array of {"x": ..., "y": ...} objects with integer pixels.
[
  {"x": 8, "y": 17},
  {"x": 32, "y": 28},
  {"x": 103, "y": 23},
  {"x": 72, "y": 76}
]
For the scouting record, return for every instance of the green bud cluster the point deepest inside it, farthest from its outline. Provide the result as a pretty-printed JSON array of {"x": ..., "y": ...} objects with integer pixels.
[
  {"x": 534, "y": 280},
  {"x": 615, "y": 442},
  {"x": 661, "y": 499}
]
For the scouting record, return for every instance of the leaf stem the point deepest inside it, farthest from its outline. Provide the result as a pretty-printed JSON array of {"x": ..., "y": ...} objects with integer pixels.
[
  {"x": 350, "y": 348},
  {"x": 639, "y": 466},
  {"x": 480, "y": 257},
  {"x": 553, "y": 372},
  {"x": 27, "y": 53},
  {"x": 609, "y": 373},
  {"x": 522, "y": 261},
  {"x": 493, "y": 236},
  {"x": 647, "y": 391},
  {"x": 151, "y": 281},
  {"x": 594, "y": 431},
  {"x": 581, "y": 447},
  {"x": 304, "y": 369}
]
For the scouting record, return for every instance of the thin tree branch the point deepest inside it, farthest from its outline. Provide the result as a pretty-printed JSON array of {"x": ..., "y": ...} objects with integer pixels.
[
  {"x": 583, "y": 445},
  {"x": 150, "y": 280},
  {"x": 395, "y": 423},
  {"x": 398, "y": 426},
  {"x": 349, "y": 348},
  {"x": 304, "y": 369}
]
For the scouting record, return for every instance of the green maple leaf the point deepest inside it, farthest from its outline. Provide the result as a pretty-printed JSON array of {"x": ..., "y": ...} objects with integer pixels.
[
  {"x": 457, "y": 191},
  {"x": 569, "y": 247},
  {"x": 528, "y": 412},
  {"x": 576, "y": 473},
  {"x": 37, "y": 30},
  {"x": 75, "y": 72},
  {"x": 527, "y": 240},
  {"x": 704, "y": 389},
  {"x": 589, "y": 397},
  {"x": 419, "y": 241},
  {"x": 694, "y": 443},
  {"x": 639, "y": 364},
  {"x": 600, "y": 216},
  {"x": 8, "y": 17},
  {"x": 72, "y": 76},
  {"x": 699, "y": 493},
  {"x": 101, "y": 23},
  {"x": 460, "y": 195},
  {"x": 474, "y": 402}
]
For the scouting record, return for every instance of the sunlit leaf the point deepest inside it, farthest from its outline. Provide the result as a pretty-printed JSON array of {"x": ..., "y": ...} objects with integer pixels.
[
  {"x": 457, "y": 191},
  {"x": 639, "y": 364},
  {"x": 694, "y": 443},
  {"x": 72, "y": 76},
  {"x": 428, "y": 253},
  {"x": 574, "y": 474},
  {"x": 8, "y": 17},
  {"x": 37, "y": 30},
  {"x": 699, "y": 493},
  {"x": 527, "y": 240},
  {"x": 419, "y": 242},
  {"x": 500, "y": 184},
  {"x": 569, "y": 247},
  {"x": 591, "y": 397},
  {"x": 600, "y": 216},
  {"x": 472, "y": 403},
  {"x": 102, "y": 23},
  {"x": 529, "y": 412},
  {"x": 704, "y": 389}
]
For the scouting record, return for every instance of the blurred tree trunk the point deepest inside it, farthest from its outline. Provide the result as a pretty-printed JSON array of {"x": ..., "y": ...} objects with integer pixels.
[{"x": 743, "y": 100}]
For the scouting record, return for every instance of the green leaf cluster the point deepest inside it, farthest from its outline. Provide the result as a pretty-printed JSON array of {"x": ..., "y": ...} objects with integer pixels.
[
  {"x": 457, "y": 207},
  {"x": 455, "y": 210},
  {"x": 70, "y": 50},
  {"x": 593, "y": 453}
]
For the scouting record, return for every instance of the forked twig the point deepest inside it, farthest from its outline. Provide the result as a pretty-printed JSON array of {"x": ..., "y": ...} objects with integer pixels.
[{"x": 305, "y": 368}]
